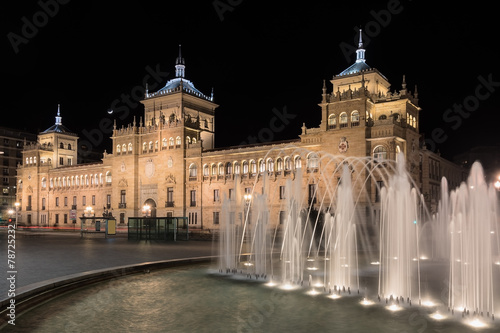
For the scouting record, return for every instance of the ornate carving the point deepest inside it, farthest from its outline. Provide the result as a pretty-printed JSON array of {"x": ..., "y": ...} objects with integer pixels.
[
  {"x": 123, "y": 183},
  {"x": 170, "y": 179}
]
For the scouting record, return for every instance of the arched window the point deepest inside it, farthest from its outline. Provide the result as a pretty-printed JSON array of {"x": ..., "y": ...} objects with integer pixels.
[
  {"x": 34, "y": 160},
  {"x": 343, "y": 120},
  {"x": 108, "y": 177},
  {"x": 193, "y": 140},
  {"x": 31, "y": 160},
  {"x": 206, "y": 170},
  {"x": 150, "y": 145},
  {"x": 178, "y": 141},
  {"x": 72, "y": 180},
  {"x": 288, "y": 165},
  {"x": 262, "y": 165},
  {"x": 27, "y": 161},
  {"x": 64, "y": 182},
  {"x": 229, "y": 168},
  {"x": 279, "y": 164},
  {"x": 193, "y": 171},
  {"x": 188, "y": 140},
  {"x": 61, "y": 145},
  {"x": 164, "y": 142},
  {"x": 253, "y": 166},
  {"x": 221, "y": 169},
  {"x": 77, "y": 181},
  {"x": 118, "y": 149},
  {"x": 69, "y": 146},
  {"x": 44, "y": 183},
  {"x": 332, "y": 121},
  {"x": 214, "y": 169},
  {"x": 270, "y": 165},
  {"x": 379, "y": 154},
  {"x": 354, "y": 118},
  {"x": 156, "y": 145},
  {"x": 414, "y": 122},
  {"x": 237, "y": 168},
  {"x": 144, "y": 147},
  {"x": 86, "y": 180},
  {"x": 124, "y": 148},
  {"x": 382, "y": 117},
  {"x": 171, "y": 142},
  {"x": 297, "y": 162},
  {"x": 312, "y": 161},
  {"x": 100, "y": 178},
  {"x": 245, "y": 167},
  {"x": 96, "y": 179},
  {"x": 130, "y": 147},
  {"x": 51, "y": 183}
]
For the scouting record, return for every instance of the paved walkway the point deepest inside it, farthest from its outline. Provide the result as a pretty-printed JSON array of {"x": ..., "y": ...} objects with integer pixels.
[{"x": 46, "y": 255}]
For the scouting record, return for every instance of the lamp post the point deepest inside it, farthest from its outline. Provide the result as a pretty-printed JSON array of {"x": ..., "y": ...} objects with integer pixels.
[
  {"x": 17, "y": 204},
  {"x": 90, "y": 211}
]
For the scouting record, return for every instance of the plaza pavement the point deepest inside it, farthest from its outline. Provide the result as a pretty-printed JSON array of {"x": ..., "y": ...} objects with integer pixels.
[{"x": 44, "y": 255}]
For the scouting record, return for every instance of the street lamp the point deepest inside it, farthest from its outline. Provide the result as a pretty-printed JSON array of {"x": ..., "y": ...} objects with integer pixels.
[
  {"x": 17, "y": 204},
  {"x": 90, "y": 211},
  {"x": 497, "y": 185}
]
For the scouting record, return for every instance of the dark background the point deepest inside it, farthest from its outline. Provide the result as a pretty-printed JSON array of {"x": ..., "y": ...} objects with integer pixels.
[{"x": 257, "y": 56}]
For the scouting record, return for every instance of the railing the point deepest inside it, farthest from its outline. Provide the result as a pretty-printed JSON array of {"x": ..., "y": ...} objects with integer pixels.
[
  {"x": 28, "y": 208},
  {"x": 122, "y": 205},
  {"x": 169, "y": 204}
]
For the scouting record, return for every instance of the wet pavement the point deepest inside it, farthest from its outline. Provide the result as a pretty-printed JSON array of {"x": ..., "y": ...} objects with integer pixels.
[{"x": 44, "y": 255}]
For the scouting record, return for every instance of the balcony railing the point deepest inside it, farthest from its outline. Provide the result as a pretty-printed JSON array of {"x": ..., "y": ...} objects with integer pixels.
[
  {"x": 122, "y": 205},
  {"x": 28, "y": 208},
  {"x": 169, "y": 204}
]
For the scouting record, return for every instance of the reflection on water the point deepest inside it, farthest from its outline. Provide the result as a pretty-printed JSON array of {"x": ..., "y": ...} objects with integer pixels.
[{"x": 188, "y": 299}]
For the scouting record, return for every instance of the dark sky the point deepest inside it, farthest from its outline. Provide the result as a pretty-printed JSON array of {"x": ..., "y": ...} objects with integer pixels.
[{"x": 256, "y": 55}]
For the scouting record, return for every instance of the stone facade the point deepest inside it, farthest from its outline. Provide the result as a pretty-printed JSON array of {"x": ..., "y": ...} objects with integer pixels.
[{"x": 168, "y": 160}]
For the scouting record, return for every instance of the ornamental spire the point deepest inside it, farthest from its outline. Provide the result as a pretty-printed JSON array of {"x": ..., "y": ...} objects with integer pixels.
[
  {"x": 179, "y": 65},
  {"x": 360, "y": 52},
  {"x": 58, "y": 117}
]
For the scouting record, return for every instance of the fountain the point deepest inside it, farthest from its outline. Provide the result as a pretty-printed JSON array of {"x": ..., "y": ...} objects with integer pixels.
[{"x": 330, "y": 251}]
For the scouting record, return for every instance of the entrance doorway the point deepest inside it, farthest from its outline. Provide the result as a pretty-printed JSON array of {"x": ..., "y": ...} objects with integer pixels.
[{"x": 149, "y": 208}]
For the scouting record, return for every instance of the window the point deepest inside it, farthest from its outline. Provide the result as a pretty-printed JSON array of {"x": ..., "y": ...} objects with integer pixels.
[
  {"x": 61, "y": 160},
  {"x": 262, "y": 166},
  {"x": 164, "y": 142},
  {"x": 236, "y": 168},
  {"x": 65, "y": 201},
  {"x": 379, "y": 154},
  {"x": 288, "y": 165},
  {"x": 216, "y": 217},
  {"x": 282, "y": 216},
  {"x": 343, "y": 120},
  {"x": 214, "y": 170},
  {"x": 144, "y": 147},
  {"x": 171, "y": 142},
  {"x": 312, "y": 194},
  {"x": 65, "y": 217},
  {"x": 108, "y": 201},
  {"x": 57, "y": 218},
  {"x": 84, "y": 201},
  {"x": 282, "y": 192},
  {"x": 332, "y": 121},
  {"x": 312, "y": 161},
  {"x": 178, "y": 142},
  {"x": 270, "y": 165},
  {"x": 57, "y": 201},
  {"x": 354, "y": 118},
  {"x": 44, "y": 183},
  {"x": 193, "y": 218},
  {"x": 206, "y": 170},
  {"x": 93, "y": 200},
  {"x": 124, "y": 148},
  {"x": 188, "y": 139},
  {"x": 221, "y": 169},
  {"x": 74, "y": 202},
  {"x": 108, "y": 177},
  {"x": 118, "y": 149},
  {"x": 378, "y": 189},
  {"x": 156, "y": 145},
  {"x": 298, "y": 162},
  {"x": 61, "y": 145},
  {"x": 279, "y": 164},
  {"x": 229, "y": 168},
  {"x": 193, "y": 172},
  {"x": 231, "y": 194},
  {"x": 130, "y": 147},
  {"x": 150, "y": 145},
  {"x": 245, "y": 167},
  {"x": 382, "y": 117},
  {"x": 70, "y": 161},
  {"x": 43, "y": 203},
  {"x": 123, "y": 196},
  {"x": 69, "y": 146},
  {"x": 253, "y": 167},
  {"x": 216, "y": 195},
  {"x": 193, "y": 198},
  {"x": 170, "y": 197}
]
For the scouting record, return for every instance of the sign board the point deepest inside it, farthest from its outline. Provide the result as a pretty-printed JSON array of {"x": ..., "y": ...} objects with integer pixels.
[
  {"x": 111, "y": 227},
  {"x": 72, "y": 214}
]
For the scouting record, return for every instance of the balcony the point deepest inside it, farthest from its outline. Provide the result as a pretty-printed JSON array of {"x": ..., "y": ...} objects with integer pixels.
[
  {"x": 28, "y": 208},
  {"x": 122, "y": 205},
  {"x": 169, "y": 204},
  {"x": 73, "y": 206},
  {"x": 192, "y": 204}
]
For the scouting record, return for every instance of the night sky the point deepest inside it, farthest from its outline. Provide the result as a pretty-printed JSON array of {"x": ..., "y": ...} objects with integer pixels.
[{"x": 256, "y": 56}]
